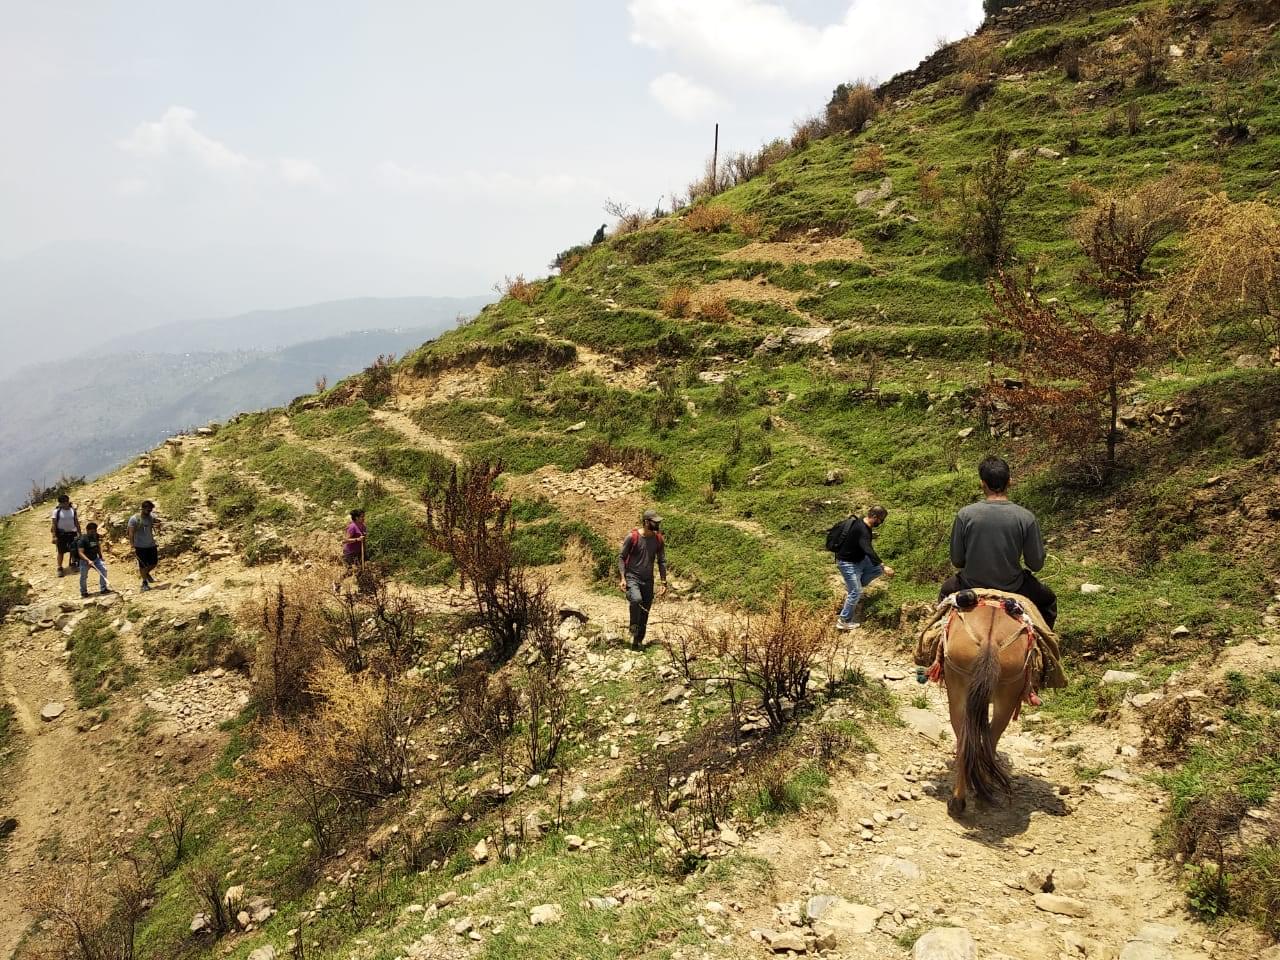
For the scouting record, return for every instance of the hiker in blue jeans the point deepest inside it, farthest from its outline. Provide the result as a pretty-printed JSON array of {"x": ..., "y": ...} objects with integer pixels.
[
  {"x": 89, "y": 550},
  {"x": 858, "y": 562}
]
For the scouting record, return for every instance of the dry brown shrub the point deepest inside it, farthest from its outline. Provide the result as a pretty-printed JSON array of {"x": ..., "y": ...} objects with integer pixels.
[
  {"x": 927, "y": 176},
  {"x": 1081, "y": 190},
  {"x": 636, "y": 461},
  {"x": 715, "y": 309},
  {"x": 1148, "y": 41},
  {"x": 978, "y": 57},
  {"x": 678, "y": 302},
  {"x": 1231, "y": 253},
  {"x": 1121, "y": 230},
  {"x": 804, "y": 132},
  {"x": 352, "y": 750},
  {"x": 629, "y": 220},
  {"x": 709, "y": 218},
  {"x": 984, "y": 204},
  {"x": 518, "y": 288},
  {"x": 546, "y": 696},
  {"x": 208, "y": 884},
  {"x": 749, "y": 225},
  {"x": 870, "y": 159},
  {"x": 91, "y": 905},
  {"x": 1236, "y": 65},
  {"x": 774, "y": 652},
  {"x": 288, "y": 647},
  {"x": 852, "y": 106},
  {"x": 471, "y": 523}
]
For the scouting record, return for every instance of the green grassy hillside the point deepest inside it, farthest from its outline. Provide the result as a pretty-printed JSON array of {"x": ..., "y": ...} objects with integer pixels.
[{"x": 760, "y": 364}]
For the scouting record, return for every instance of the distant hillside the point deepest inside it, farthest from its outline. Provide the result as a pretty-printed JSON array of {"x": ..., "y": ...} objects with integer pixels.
[
  {"x": 84, "y": 416},
  {"x": 274, "y": 329}
]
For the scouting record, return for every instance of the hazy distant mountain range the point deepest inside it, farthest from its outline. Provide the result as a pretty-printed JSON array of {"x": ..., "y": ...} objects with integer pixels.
[{"x": 89, "y": 413}]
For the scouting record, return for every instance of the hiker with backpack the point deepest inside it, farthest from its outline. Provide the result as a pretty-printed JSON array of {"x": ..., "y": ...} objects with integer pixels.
[
  {"x": 142, "y": 537},
  {"x": 642, "y": 548},
  {"x": 856, "y": 559},
  {"x": 89, "y": 549},
  {"x": 65, "y": 527}
]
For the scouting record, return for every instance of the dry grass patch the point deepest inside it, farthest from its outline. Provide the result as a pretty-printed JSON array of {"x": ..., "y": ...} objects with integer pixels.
[{"x": 799, "y": 251}]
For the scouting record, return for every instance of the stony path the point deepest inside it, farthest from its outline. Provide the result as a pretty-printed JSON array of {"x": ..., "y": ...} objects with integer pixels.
[{"x": 1065, "y": 870}]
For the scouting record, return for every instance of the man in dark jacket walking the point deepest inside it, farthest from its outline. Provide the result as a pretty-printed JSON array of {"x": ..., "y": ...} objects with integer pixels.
[
  {"x": 642, "y": 548},
  {"x": 858, "y": 562},
  {"x": 990, "y": 540}
]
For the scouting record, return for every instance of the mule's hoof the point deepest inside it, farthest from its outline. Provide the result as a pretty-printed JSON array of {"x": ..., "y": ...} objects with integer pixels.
[{"x": 955, "y": 806}]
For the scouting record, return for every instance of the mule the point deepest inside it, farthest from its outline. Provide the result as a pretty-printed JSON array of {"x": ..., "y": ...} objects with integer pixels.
[{"x": 985, "y": 658}]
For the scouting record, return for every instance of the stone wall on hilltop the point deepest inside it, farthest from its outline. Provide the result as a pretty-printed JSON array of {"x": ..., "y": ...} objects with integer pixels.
[{"x": 1031, "y": 13}]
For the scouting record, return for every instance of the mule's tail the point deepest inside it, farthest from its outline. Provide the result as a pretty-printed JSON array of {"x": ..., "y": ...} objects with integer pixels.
[{"x": 981, "y": 765}]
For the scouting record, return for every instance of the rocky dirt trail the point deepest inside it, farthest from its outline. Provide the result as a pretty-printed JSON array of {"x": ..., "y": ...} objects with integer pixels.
[
  {"x": 1066, "y": 869},
  {"x": 102, "y": 772}
]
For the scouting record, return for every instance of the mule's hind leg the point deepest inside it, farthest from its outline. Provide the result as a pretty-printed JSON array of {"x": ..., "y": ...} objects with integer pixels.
[{"x": 956, "y": 703}]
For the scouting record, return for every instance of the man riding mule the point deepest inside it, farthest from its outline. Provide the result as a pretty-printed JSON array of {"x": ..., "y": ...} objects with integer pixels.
[{"x": 991, "y": 643}]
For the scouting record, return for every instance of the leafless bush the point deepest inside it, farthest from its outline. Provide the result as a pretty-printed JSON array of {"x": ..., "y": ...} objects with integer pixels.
[
  {"x": 176, "y": 819},
  {"x": 984, "y": 205},
  {"x": 546, "y": 698},
  {"x": 773, "y": 653},
  {"x": 322, "y": 384},
  {"x": 1149, "y": 43},
  {"x": 471, "y": 523},
  {"x": 1232, "y": 256},
  {"x": 287, "y": 650},
  {"x": 207, "y": 883},
  {"x": 678, "y": 302},
  {"x": 852, "y": 106},
  {"x": 91, "y": 905},
  {"x": 488, "y": 709},
  {"x": 629, "y": 219}
]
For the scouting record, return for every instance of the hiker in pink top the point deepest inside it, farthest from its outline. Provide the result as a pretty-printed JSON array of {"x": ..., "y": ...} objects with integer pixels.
[{"x": 353, "y": 549}]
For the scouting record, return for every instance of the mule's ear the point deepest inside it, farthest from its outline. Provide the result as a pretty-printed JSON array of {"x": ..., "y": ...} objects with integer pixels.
[{"x": 966, "y": 600}]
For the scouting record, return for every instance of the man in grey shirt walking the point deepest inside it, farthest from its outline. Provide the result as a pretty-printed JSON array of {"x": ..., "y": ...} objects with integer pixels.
[
  {"x": 642, "y": 549},
  {"x": 991, "y": 539}
]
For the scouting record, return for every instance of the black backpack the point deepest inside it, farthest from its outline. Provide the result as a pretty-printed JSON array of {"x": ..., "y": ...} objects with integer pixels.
[{"x": 837, "y": 535}]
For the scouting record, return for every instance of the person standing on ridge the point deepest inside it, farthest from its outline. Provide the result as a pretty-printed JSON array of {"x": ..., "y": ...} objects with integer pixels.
[
  {"x": 990, "y": 540},
  {"x": 641, "y": 549},
  {"x": 142, "y": 537},
  {"x": 857, "y": 560},
  {"x": 89, "y": 549},
  {"x": 65, "y": 527}
]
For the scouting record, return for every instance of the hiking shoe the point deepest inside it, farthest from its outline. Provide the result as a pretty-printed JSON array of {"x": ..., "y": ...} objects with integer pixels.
[
  {"x": 145, "y": 586},
  {"x": 84, "y": 595},
  {"x": 845, "y": 625},
  {"x": 61, "y": 572}
]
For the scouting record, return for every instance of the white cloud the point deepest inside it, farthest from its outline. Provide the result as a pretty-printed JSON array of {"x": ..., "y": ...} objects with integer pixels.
[
  {"x": 684, "y": 98},
  {"x": 301, "y": 172},
  {"x": 131, "y": 187},
  {"x": 495, "y": 185},
  {"x": 175, "y": 135},
  {"x": 759, "y": 41}
]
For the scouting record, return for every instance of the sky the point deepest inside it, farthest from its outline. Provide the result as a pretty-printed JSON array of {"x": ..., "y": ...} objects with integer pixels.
[{"x": 171, "y": 159}]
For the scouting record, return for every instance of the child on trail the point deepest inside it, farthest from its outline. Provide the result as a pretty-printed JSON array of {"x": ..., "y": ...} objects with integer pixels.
[
  {"x": 353, "y": 545},
  {"x": 353, "y": 552},
  {"x": 142, "y": 537},
  {"x": 65, "y": 527},
  {"x": 857, "y": 560},
  {"x": 89, "y": 550},
  {"x": 640, "y": 551}
]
